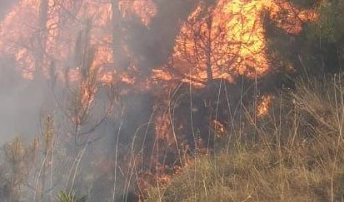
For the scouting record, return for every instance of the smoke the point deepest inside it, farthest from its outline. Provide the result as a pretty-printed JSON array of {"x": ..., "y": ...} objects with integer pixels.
[
  {"x": 98, "y": 135},
  {"x": 5, "y": 6},
  {"x": 153, "y": 45},
  {"x": 25, "y": 103},
  {"x": 21, "y": 104}
]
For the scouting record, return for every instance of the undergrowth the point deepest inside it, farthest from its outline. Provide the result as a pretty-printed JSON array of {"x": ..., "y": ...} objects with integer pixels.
[{"x": 297, "y": 153}]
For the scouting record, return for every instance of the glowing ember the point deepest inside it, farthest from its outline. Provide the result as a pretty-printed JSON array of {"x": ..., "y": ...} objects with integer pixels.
[
  {"x": 163, "y": 128},
  {"x": 264, "y": 106},
  {"x": 219, "y": 128}
]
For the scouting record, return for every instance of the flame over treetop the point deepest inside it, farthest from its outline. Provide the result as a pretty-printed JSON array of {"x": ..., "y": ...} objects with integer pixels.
[
  {"x": 231, "y": 37},
  {"x": 220, "y": 40},
  {"x": 227, "y": 38}
]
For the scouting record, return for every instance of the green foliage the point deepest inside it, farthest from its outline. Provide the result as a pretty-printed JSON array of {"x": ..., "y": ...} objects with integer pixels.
[
  {"x": 320, "y": 46},
  {"x": 304, "y": 3},
  {"x": 330, "y": 25},
  {"x": 69, "y": 197}
]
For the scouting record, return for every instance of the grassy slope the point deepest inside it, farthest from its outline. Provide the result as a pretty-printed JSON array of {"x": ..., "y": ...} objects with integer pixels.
[{"x": 298, "y": 155}]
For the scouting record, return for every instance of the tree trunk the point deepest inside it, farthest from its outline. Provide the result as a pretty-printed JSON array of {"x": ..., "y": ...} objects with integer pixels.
[
  {"x": 209, "y": 22},
  {"x": 41, "y": 39},
  {"x": 119, "y": 57}
]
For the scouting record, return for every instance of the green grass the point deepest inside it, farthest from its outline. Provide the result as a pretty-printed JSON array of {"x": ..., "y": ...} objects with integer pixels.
[{"x": 70, "y": 197}]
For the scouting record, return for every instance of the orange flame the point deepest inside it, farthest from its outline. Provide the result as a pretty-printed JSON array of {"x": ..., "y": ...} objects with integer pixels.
[
  {"x": 264, "y": 105},
  {"x": 229, "y": 38},
  {"x": 236, "y": 37},
  {"x": 237, "y": 32}
]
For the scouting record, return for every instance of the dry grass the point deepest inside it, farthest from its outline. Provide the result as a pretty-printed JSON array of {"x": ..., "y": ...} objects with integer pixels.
[{"x": 298, "y": 154}]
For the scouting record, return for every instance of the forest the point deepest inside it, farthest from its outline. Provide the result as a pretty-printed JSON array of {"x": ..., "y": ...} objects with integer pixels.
[{"x": 171, "y": 100}]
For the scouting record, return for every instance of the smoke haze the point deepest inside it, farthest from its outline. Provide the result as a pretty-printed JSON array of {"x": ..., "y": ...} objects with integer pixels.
[{"x": 85, "y": 80}]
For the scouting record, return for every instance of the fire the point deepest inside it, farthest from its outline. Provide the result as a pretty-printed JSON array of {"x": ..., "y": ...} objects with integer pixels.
[
  {"x": 236, "y": 35},
  {"x": 264, "y": 105},
  {"x": 144, "y": 8},
  {"x": 219, "y": 128},
  {"x": 230, "y": 38},
  {"x": 20, "y": 35},
  {"x": 222, "y": 41}
]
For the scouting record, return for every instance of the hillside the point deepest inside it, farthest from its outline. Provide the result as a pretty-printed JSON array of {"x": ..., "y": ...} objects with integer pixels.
[
  {"x": 293, "y": 153},
  {"x": 171, "y": 100}
]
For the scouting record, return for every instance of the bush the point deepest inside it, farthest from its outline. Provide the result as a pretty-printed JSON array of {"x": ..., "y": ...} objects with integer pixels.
[{"x": 70, "y": 197}]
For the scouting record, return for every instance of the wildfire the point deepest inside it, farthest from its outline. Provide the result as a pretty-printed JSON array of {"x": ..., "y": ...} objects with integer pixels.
[
  {"x": 234, "y": 29},
  {"x": 217, "y": 42},
  {"x": 222, "y": 41},
  {"x": 219, "y": 128},
  {"x": 23, "y": 37},
  {"x": 230, "y": 38},
  {"x": 264, "y": 106},
  {"x": 145, "y": 9}
]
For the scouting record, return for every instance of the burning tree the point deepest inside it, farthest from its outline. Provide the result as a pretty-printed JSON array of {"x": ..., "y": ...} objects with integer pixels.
[
  {"x": 205, "y": 46},
  {"x": 199, "y": 41}
]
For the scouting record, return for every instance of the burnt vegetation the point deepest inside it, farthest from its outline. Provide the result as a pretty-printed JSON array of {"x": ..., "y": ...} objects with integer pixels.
[{"x": 184, "y": 100}]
